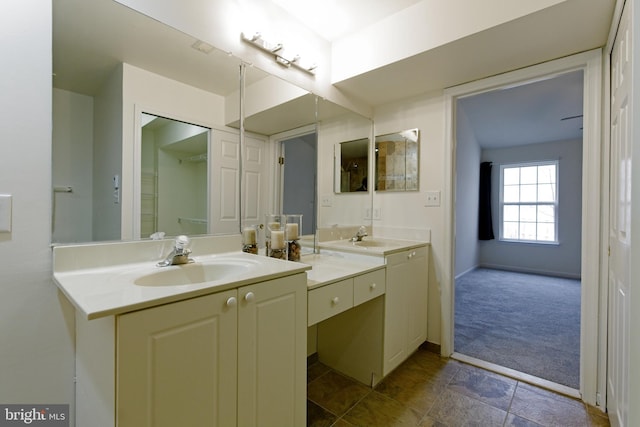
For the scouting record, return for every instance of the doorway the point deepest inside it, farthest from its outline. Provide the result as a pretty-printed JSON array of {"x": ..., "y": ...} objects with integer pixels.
[
  {"x": 298, "y": 177},
  {"x": 592, "y": 338},
  {"x": 522, "y": 146}
]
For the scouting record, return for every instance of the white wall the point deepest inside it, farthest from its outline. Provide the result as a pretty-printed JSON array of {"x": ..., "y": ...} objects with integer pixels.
[
  {"x": 562, "y": 259},
  {"x": 36, "y": 322},
  {"x": 404, "y": 214},
  {"x": 72, "y": 156},
  {"x": 467, "y": 195},
  {"x": 107, "y": 158}
]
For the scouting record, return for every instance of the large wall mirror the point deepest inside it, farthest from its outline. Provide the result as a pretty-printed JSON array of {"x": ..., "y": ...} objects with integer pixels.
[
  {"x": 111, "y": 65},
  {"x": 396, "y": 162},
  {"x": 121, "y": 76}
]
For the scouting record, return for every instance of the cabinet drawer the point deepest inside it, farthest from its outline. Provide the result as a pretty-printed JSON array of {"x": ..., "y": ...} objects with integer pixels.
[
  {"x": 368, "y": 286},
  {"x": 329, "y": 300}
]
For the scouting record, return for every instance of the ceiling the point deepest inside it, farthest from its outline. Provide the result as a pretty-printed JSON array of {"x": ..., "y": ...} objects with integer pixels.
[
  {"x": 92, "y": 38},
  {"x": 546, "y": 110}
]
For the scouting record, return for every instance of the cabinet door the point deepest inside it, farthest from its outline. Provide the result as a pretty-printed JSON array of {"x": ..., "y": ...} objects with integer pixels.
[
  {"x": 272, "y": 344},
  {"x": 417, "y": 301},
  {"x": 395, "y": 311},
  {"x": 176, "y": 364}
]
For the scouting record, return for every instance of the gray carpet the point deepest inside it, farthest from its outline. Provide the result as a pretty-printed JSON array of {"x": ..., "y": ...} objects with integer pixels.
[{"x": 525, "y": 322}]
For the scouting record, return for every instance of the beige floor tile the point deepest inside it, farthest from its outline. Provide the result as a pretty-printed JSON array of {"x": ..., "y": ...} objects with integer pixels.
[
  {"x": 485, "y": 386},
  {"x": 336, "y": 393},
  {"x": 547, "y": 408},
  {"x": 379, "y": 410},
  {"x": 455, "y": 409}
]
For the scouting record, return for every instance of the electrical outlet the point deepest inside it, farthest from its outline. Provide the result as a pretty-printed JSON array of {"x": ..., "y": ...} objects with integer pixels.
[
  {"x": 326, "y": 201},
  {"x": 433, "y": 198},
  {"x": 377, "y": 213},
  {"x": 367, "y": 213}
]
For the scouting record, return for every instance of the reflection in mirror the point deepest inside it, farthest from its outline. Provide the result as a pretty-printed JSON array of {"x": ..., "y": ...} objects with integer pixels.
[
  {"x": 352, "y": 166},
  {"x": 280, "y": 148},
  {"x": 339, "y": 215},
  {"x": 111, "y": 62},
  {"x": 173, "y": 197},
  {"x": 397, "y": 161}
]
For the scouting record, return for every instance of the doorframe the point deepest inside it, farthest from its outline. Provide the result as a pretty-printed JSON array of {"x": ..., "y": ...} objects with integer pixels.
[
  {"x": 278, "y": 179},
  {"x": 592, "y": 340}
]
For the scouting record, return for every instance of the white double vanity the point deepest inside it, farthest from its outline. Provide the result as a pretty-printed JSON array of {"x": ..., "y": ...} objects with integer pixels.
[{"x": 223, "y": 340}]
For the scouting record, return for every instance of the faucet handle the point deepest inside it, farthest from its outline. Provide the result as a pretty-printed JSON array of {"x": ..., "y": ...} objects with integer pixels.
[{"x": 182, "y": 242}]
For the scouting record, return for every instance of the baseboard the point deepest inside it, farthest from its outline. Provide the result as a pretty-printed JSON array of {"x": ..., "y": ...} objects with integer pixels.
[{"x": 466, "y": 271}]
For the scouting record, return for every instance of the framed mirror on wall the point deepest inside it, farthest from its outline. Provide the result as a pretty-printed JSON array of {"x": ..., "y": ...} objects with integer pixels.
[
  {"x": 397, "y": 161},
  {"x": 352, "y": 166}
]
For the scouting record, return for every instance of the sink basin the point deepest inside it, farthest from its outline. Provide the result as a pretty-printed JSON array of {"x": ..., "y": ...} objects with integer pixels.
[
  {"x": 191, "y": 274},
  {"x": 370, "y": 244}
]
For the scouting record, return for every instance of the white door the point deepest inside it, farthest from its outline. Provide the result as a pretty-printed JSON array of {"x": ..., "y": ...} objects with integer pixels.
[
  {"x": 619, "y": 228},
  {"x": 224, "y": 208}
]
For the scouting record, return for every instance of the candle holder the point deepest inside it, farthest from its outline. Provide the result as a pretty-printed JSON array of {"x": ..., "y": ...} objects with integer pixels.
[
  {"x": 250, "y": 239},
  {"x": 274, "y": 236},
  {"x": 293, "y": 228}
]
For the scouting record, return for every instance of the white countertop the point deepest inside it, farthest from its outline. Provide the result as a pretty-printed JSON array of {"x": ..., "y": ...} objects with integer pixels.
[
  {"x": 99, "y": 279},
  {"x": 108, "y": 290},
  {"x": 332, "y": 267},
  {"x": 376, "y": 246}
]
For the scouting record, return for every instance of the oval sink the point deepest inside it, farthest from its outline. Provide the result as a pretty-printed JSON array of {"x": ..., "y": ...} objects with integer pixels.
[
  {"x": 191, "y": 274},
  {"x": 369, "y": 244}
]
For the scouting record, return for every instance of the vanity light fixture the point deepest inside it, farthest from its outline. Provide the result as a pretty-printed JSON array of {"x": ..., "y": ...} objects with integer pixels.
[{"x": 280, "y": 55}]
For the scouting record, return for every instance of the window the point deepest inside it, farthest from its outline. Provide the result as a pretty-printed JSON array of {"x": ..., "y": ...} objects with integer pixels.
[{"x": 529, "y": 202}]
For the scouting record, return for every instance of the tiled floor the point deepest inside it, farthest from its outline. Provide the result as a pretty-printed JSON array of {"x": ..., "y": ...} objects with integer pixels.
[{"x": 428, "y": 390}]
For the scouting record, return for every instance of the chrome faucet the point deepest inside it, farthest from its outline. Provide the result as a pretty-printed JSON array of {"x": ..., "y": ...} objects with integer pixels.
[
  {"x": 179, "y": 254},
  {"x": 362, "y": 232}
]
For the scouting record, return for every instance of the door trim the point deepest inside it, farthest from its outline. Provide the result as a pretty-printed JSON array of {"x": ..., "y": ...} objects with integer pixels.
[{"x": 593, "y": 342}]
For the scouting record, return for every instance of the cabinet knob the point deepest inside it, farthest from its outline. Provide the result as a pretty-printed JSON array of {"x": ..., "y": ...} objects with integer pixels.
[
  {"x": 335, "y": 300},
  {"x": 250, "y": 296},
  {"x": 231, "y": 301},
  {"x": 372, "y": 286}
]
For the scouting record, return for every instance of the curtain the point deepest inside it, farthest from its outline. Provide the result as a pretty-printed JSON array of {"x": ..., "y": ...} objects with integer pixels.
[{"x": 485, "y": 221}]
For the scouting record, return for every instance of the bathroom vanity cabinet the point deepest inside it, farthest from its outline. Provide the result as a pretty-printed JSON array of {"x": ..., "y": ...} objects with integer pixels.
[
  {"x": 236, "y": 357},
  {"x": 367, "y": 337},
  {"x": 405, "y": 326}
]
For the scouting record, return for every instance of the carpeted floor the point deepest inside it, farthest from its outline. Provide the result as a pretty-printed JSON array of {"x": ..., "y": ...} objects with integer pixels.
[{"x": 525, "y": 322}]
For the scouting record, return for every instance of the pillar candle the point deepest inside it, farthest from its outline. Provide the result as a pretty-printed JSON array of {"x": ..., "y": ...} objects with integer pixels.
[
  {"x": 292, "y": 231},
  {"x": 250, "y": 235},
  {"x": 277, "y": 239}
]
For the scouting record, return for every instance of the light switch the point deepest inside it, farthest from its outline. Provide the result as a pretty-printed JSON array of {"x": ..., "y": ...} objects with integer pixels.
[{"x": 5, "y": 213}]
